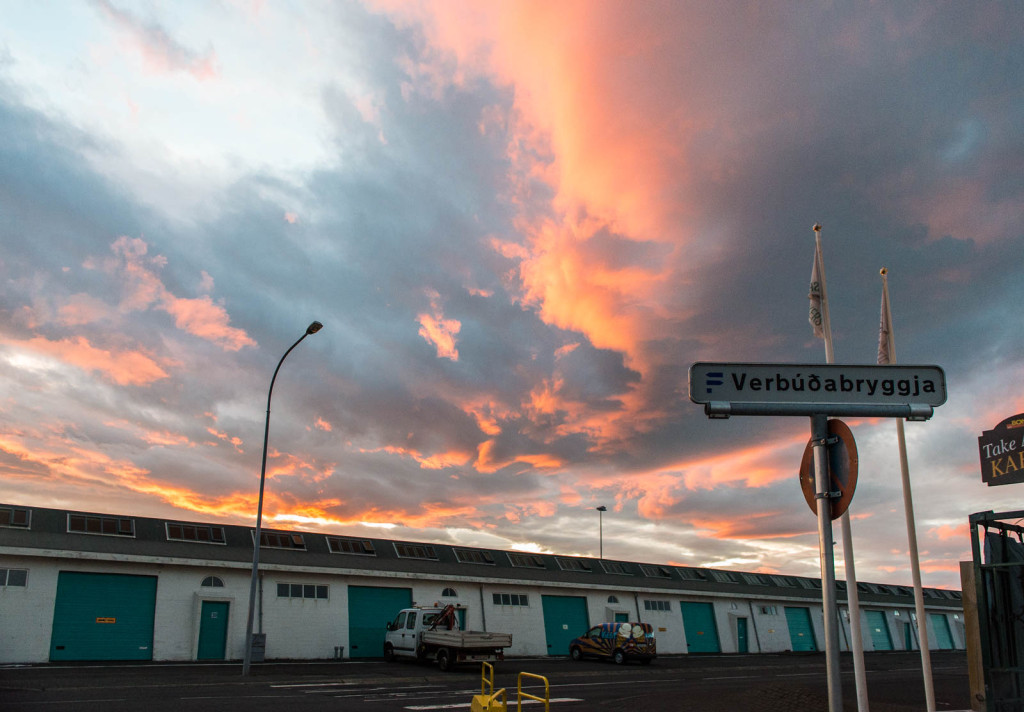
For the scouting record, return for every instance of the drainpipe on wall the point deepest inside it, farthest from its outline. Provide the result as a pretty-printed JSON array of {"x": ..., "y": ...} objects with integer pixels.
[
  {"x": 753, "y": 624},
  {"x": 636, "y": 602},
  {"x": 483, "y": 615},
  {"x": 261, "y": 604}
]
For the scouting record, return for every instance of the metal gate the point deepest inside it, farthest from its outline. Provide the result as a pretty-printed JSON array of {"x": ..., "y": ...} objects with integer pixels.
[
  {"x": 565, "y": 617},
  {"x": 103, "y": 617},
  {"x": 879, "y": 630},
  {"x": 801, "y": 632},
  {"x": 999, "y": 581},
  {"x": 370, "y": 609},
  {"x": 699, "y": 626}
]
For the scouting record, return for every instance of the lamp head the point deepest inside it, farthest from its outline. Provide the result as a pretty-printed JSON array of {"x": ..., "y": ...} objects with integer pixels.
[
  {"x": 314, "y": 327},
  {"x": 602, "y": 508}
]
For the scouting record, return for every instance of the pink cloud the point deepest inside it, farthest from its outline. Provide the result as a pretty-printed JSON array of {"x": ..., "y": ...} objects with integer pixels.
[
  {"x": 160, "y": 53},
  {"x": 143, "y": 289}
]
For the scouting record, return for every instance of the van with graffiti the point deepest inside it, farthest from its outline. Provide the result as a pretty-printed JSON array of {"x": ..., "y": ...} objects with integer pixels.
[{"x": 618, "y": 642}]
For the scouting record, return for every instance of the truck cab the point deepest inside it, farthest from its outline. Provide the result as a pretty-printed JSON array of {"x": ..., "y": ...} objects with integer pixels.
[
  {"x": 433, "y": 633},
  {"x": 404, "y": 632}
]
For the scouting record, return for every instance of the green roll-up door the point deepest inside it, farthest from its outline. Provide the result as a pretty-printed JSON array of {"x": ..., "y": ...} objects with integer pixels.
[
  {"x": 565, "y": 618},
  {"x": 943, "y": 636},
  {"x": 103, "y": 617},
  {"x": 370, "y": 609},
  {"x": 879, "y": 628},
  {"x": 801, "y": 633},
  {"x": 699, "y": 626}
]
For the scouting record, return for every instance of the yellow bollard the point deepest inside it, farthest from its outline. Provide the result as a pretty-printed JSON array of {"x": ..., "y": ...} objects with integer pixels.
[
  {"x": 489, "y": 700},
  {"x": 546, "y": 699}
]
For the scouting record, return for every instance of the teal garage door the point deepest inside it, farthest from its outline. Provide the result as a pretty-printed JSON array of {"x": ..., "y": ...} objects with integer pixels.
[
  {"x": 880, "y": 637},
  {"x": 565, "y": 618},
  {"x": 370, "y": 609},
  {"x": 103, "y": 617},
  {"x": 940, "y": 624},
  {"x": 699, "y": 625},
  {"x": 801, "y": 633}
]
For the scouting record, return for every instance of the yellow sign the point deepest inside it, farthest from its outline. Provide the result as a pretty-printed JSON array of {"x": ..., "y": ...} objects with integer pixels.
[{"x": 106, "y": 620}]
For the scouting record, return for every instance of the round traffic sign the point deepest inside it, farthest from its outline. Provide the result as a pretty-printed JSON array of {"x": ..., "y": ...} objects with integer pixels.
[{"x": 842, "y": 469}]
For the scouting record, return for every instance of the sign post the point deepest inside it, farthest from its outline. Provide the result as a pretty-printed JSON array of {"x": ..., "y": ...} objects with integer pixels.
[{"x": 820, "y": 391}]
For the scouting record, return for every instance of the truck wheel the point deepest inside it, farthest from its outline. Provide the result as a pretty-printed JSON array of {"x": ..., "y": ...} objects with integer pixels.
[
  {"x": 444, "y": 661},
  {"x": 389, "y": 652},
  {"x": 575, "y": 653},
  {"x": 619, "y": 657}
]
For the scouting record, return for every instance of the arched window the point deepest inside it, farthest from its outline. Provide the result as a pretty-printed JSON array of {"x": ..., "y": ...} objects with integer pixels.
[
  {"x": 449, "y": 593},
  {"x": 213, "y": 581},
  {"x": 613, "y": 599}
]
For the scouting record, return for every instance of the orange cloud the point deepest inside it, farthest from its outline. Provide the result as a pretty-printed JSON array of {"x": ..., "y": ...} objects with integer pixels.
[
  {"x": 489, "y": 460},
  {"x": 435, "y": 461},
  {"x": 126, "y": 368},
  {"x": 201, "y": 317},
  {"x": 439, "y": 331}
]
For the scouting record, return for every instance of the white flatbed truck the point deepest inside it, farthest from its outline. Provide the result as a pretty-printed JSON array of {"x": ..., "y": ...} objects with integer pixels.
[{"x": 432, "y": 633}]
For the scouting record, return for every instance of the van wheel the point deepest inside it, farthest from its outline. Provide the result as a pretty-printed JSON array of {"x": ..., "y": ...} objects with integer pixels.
[
  {"x": 619, "y": 657},
  {"x": 444, "y": 661},
  {"x": 389, "y": 652},
  {"x": 575, "y": 653}
]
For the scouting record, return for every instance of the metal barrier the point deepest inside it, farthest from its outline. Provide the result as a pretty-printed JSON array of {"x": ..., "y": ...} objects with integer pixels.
[
  {"x": 546, "y": 699},
  {"x": 489, "y": 701}
]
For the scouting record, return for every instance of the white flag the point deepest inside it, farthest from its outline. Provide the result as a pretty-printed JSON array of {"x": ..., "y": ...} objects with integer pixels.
[
  {"x": 814, "y": 315},
  {"x": 883, "y": 330}
]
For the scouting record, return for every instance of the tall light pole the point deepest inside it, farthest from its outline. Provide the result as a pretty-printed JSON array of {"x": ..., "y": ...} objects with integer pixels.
[
  {"x": 247, "y": 658},
  {"x": 600, "y": 524}
]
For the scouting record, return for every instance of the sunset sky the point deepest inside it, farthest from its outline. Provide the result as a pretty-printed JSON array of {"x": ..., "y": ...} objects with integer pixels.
[{"x": 520, "y": 223}]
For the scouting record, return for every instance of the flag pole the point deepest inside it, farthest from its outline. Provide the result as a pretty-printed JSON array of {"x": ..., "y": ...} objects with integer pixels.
[
  {"x": 852, "y": 593},
  {"x": 908, "y": 503}
]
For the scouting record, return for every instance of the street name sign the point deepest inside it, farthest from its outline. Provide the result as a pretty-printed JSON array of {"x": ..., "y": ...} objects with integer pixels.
[{"x": 805, "y": 389}]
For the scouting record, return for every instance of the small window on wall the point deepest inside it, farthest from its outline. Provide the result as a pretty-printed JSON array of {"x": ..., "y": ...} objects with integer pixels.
[
  {"x": 449, "y": 593},
  {"x": 111, "y": 526},
  {"x": 511, "y": 599},
  {"x": 13, "y": 577},
  {"x": 302, "y": 590},
  {"x": 17, "y": 517},
  {"x": 212, "y": 581},
  {"x": 280, "y": 540},
  {"x": 207, "y": 534},
  {"x": 613, "y": 599},
  {"x": 657, "y": 605}
]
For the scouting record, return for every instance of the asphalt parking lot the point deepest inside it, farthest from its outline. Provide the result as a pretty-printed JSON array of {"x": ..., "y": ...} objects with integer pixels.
[{"x": 747, "y": 683}]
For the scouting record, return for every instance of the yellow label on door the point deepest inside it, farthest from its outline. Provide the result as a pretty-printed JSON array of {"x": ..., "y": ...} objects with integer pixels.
[{"x": 106, "y": 620}]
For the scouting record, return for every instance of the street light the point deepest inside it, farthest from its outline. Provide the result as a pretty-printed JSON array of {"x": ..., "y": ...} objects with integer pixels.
[
  {"x": 600, "y": 523},
  {"x": 247, "y": 658}
]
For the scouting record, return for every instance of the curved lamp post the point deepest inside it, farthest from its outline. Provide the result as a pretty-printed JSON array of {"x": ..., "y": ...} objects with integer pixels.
[
  {"x": 247, "y": 659},
  {"x": 600, "y": 523}
]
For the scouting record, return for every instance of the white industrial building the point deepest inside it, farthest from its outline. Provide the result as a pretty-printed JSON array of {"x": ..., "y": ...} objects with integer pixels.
[{"x": 88, "y": 586}]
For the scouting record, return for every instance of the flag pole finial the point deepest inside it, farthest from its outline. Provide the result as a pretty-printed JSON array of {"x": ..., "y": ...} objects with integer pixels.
[
  {"x": 817, "y": 227},
  {"x": 884, "y": 271}
]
